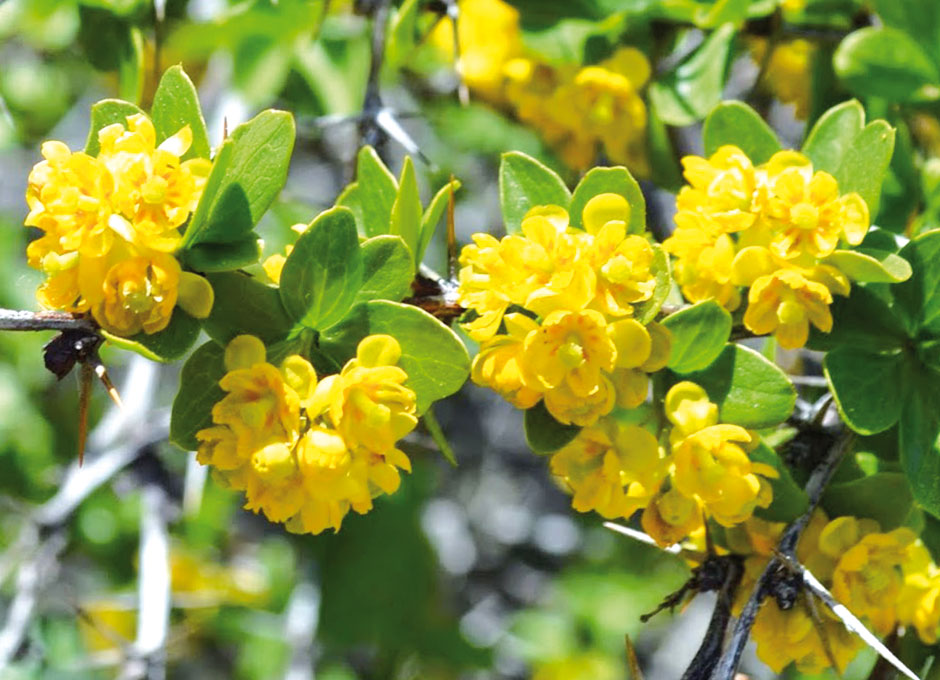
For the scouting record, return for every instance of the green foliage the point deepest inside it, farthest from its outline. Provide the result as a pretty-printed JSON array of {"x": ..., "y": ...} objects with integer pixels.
[
  {"x": 699, "y": 335},
  {"x": 170, "y": 344},
  {"x": 790, "y": 501},
  {"x": 831, "y": 137},
  {"x": 434, "y": 358},
  {"x": 198, "y": 392},
  {"x": 525, "y": 183},
  {"x": 646, "y": 311},
  {"x": 865, "y": 387},
  {"x": 886, "y": 62},
  {"x": 104, "y": 113},
  {"x": 865, "y": 497},
  {"x": 176, "y": 104},
  {"x": 244, "y": 305},
  {"x": 738, "y": 124},
  {"x": 687, "y": 93},
  {"x": 323, "y": 273}
]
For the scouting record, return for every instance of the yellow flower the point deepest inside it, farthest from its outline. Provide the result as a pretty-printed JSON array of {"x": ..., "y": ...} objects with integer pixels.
[
  {"x": 488, "y": 34},
  {"x": 785, "y": 303},
  {"x": 868, "y": 579},
  {"x": 581, "y": 666},
  {"x": 807, "y": 216},
  {"x": 69, "y": 198},
  {"x": 138, "y": 294},
  {"x": 497, "y": 366},
  {"x": 787, "y": 72},
  {"x": 919, "y": 600},
  {"x": 154, "y": 191},
  {"x": 711, "y": 465},
  {"x": 307, "y": 451},
  {"x": 704, "y": 266},
  {"x": 689, "y": 410},
  {"x": 612, "y": 468},
  {"x": 671, "y": 516},
  {"x": 721, "y": 189},
  {"x": 368, "y": 402},
  {"x": 571, "y": 349}
]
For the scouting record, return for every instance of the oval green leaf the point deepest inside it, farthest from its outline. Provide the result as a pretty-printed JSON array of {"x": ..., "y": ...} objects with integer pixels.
[
  {"x": 616, "y": 180},
  {"x": 175, "y": 105},
  {"x": 866, "y": 387},
  {"x": 247, "y": 175},
  {"x": 244, "y": 305},
  {"x": 387, "y": 269},
  {"x": 919, "y": 297},
  {"x": 435, "y": 359},
  {"x": 868, "y": 496},
  {"x": 198, "y": 392},
  {"x": 525, "y": 183},
  {"x": 887, "y": 63},
  {"x": 222, "y": 257},
  {"x": 738, "y": 124},
  {"x": 871, "y": 266},
  {"x": 699, "y": 334},
  {"x": 865, "y": 163},
  {"x": 832, "y": 135},
  {"x": 374, "y": 195},
  {"x": 790, "y": 501},
  {"x": 918, "y": 440},
  {"x": 323, "y": 272}
]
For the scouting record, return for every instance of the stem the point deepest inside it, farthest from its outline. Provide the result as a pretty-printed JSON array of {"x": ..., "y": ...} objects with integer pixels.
[
  {"x": 710, "y": 650},
  {"x": 23, "y": 320},
  {"x": 728, "y": 664}
]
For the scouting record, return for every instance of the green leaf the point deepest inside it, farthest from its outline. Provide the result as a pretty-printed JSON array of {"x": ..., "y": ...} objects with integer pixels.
[
  {"x": 175, "y": 105},
  {"x": 865, "y": 163},
  {"x": 376, "y": 193},
  {"x": 862, "y": 320},
  {"x": 616, "y": 180},
  {"x": 867, "y": 496},
  {"x": 404, "y": 28},
  {"x": 699, "y": 334},
  {"x": 790, "y": 501},
  {"x": 244, "y": 181},
  {"x": 833, "y": 134},
  {"x": 433, "y": 215},
  {"x": 435, "y": 360},
  {"x": 647, "y": 311},
  {"x": 686, "y": 94},
  {"x": 104, "y": 113},
  {"x": 244, "y": 305},
  {"x": 866, "y": 387},
  {"x": 199, "y": 391},
  {"x": 870, "y": 265},
  {"x": 919, "y": 297},
  {"x": 437, "y": 434},
  {"x": 167, "y": 345},
  {"x": 543, "y": 433},
  {"x": 525, "y": 183},
  {"x": 750, "y": 391},
  {"x": 918, "y": 441},
  {"x": 918, "y": 18},
  {"x": 738, "y": 124},
  {"x": 406, "y": 210},
  {"x": 720, "y": 12},
  {"x": 323, "y": 272},
  {"x": 888, "y": 63},
  {"x": 222, "y": 257},
  {"x": 387, "y": 269}
]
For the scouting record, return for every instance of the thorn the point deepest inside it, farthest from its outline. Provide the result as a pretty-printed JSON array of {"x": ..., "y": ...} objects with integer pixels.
[
  {"x": 84, "y": 394},
  {"x": 224, "y": 128},
  {"x": 105, "y": 379},
  {"x": 633, "y": 665}
]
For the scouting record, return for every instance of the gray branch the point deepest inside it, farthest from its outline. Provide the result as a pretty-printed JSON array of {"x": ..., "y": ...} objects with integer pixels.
[
  {"x": 728, "y": 664},
  {"x": 22, "y": 320}
]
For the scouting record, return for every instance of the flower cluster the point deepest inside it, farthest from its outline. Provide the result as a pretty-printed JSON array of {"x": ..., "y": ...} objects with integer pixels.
[
  {"x": 768, "y": 228},
  {"x": 786, "y": 71},
  {"x": 553, "y": 309},
  {"x": 577, "y": 109},
  {"x": 884, "y": 578},
  {"x": 617, "y": 469},
  {"x": 111, "y": 225},
  {"x": 305, "y": 450}
]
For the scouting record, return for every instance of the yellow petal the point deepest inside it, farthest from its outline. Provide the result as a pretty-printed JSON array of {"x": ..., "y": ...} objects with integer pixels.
[
  {"x": 244, "y": 351},
  {"x": 195, "y": 295},
  {"x": 632, "y": 341},
  {"x": 750, "y": 264},
  {"x": 602, "y": 209}
]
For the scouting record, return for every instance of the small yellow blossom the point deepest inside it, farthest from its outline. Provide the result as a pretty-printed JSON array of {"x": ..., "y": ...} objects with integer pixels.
[
  {"x": 785, "y": 303},
  {"x": 919, "y": 600},
  {"x": 612, "y": 468},
  {"x": 721, "y": 189},
  {"x": 306, "y": 451},
  {"x": 138, "y": 294},
  {"x": 497, "y": 365},
  {"x": 671, "y": 516}
]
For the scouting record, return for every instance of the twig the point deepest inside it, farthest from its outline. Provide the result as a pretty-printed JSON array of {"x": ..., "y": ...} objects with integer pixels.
[
  {"x": 148, "y": 659},
  {"x": 710, "y": 650},
  {"x": 370, "y": 132},
  {"x": 818, "y": 480},
  {"x": 23, "y": 320}
]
